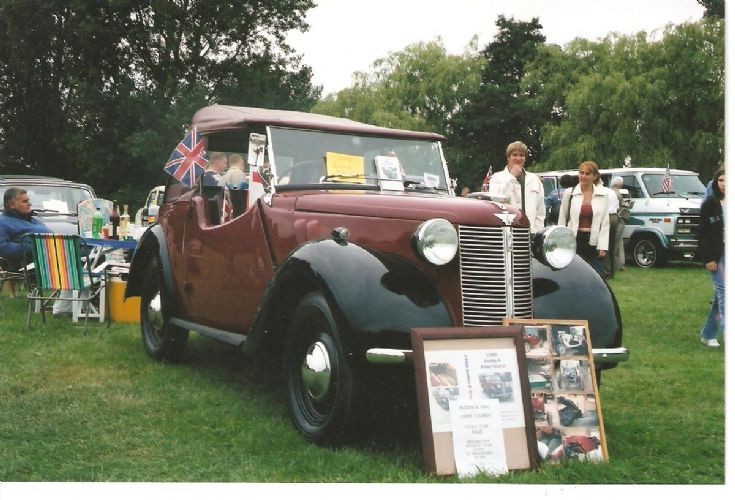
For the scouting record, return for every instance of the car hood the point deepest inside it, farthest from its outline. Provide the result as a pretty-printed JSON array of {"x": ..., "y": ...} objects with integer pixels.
[{"x": 408, "y": 206}]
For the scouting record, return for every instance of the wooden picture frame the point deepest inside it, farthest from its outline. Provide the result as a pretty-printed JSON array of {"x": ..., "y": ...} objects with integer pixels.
[
  {"x": 473, "y": 400},
  {"x": 563, "y": 389}
]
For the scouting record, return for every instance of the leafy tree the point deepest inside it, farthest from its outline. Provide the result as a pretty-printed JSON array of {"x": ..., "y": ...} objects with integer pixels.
[
  {"x": 499, "y": 112},
  {"x": 101, "y": 91},
  {"x": 713, "y": 8},
  {"x": 659, "y": 102}
]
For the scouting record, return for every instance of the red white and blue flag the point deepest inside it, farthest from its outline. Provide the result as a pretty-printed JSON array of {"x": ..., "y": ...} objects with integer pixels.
[
  {"x": 189, "y": 159},
  {"x": 486, "y": 181},
  {"x": 257, "y": 185},
  {"x": 666, "y": 181}
]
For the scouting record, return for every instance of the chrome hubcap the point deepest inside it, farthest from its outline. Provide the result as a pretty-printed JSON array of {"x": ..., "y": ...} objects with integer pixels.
[
  {"x": 155, "y": 317},
  {"x": 316, "y": 371}
]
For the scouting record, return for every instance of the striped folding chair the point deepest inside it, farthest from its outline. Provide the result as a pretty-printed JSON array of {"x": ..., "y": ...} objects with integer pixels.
[{"x": 58, "y": 266}]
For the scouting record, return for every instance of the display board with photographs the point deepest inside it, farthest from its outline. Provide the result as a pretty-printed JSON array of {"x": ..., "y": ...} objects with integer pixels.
[
  {"x": 474, "y": 411},
  {"x": 564, "y": 396}
]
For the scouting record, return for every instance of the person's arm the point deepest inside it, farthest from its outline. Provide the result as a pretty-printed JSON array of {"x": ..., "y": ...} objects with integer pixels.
[
  {"x": 603, "y": 240},
  {"x": 563, "y": 209},
  {"x": 540, "y": 205},
  {"x": 8, "y": 248}
]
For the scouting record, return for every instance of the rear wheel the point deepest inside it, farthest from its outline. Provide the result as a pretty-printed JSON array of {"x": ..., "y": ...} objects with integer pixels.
[
  {"x": 648, "y": 252},
  {"x": 320, "y": 381},
  {"x": 160, "y": 339}
]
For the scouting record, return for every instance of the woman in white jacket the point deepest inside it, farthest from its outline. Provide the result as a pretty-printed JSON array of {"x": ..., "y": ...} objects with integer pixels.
[{"x": 584, "y": 210}]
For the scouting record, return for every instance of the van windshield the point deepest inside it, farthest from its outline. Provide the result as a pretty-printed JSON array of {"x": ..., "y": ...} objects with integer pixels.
[{"x": 681, "y": 185}]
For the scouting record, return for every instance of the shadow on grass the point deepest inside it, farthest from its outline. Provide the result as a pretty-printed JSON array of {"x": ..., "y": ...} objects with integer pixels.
[{"x": 388, "y": 418}]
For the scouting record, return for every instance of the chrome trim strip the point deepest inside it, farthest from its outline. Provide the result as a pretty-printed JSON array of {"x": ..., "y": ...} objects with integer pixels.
[
  {"x": 614, "y": 355},
  {"x": 388, "y": 356},
  {"x": 384, "y": 356}
]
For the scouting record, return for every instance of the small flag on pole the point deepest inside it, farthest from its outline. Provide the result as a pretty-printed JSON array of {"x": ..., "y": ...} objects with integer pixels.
[
  {"x": 257, "y": 186},
  {"x": 226, "y": 206},
  {"x": 188, "y": 160},
  {"x": 486, "y": 181},
  {"x": 666, "y": 181}
]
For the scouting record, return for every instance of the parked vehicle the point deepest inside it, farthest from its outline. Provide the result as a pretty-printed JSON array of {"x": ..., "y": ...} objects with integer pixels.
[
  {"x": 569, "y": 376},
  {"x": 148, "y": 213},
  {"x": 357, "y": 239},
  {"x": 662, "y": 225},
  {"x": 53, "y": 200}
]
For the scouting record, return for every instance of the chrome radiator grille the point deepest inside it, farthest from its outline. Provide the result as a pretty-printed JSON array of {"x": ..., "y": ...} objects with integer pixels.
[{"x": 495, "y": 268}]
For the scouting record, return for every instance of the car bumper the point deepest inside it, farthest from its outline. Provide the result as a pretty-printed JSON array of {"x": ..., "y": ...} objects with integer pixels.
[{"x": 397, "y": 356}]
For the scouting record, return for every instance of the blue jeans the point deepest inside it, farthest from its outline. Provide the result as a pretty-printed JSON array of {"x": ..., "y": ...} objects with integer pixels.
[{"x": 716, "y": 317}]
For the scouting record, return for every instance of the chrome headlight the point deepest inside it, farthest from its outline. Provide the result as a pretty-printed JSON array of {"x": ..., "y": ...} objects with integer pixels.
[
  {"x": 437, "y": 241},
  {"x": 554, "y": 246}
]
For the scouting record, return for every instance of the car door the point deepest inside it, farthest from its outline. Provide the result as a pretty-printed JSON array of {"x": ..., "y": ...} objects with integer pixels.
[{"x": 227, "y": 266}]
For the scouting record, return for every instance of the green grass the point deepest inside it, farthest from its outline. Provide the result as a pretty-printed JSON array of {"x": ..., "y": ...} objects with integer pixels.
[{"x": 96, "y": 408}]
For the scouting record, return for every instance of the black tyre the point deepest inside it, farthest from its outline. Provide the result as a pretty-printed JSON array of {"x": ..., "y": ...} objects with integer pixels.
[
  {"x": 160, "y": 339},
  {"x": 648, "y": 252},
  {"x": 320, "y": 381}
]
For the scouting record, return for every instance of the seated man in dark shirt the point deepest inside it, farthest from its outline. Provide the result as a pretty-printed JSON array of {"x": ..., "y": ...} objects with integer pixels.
[{"x": 16, "y": 221}]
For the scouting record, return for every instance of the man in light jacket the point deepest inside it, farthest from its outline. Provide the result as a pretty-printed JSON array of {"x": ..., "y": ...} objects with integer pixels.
[{"x": 524, "y": 190}]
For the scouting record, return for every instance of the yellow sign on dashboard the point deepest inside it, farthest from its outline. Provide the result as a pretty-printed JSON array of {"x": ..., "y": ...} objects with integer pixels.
[{"x": 345, "y": 168}]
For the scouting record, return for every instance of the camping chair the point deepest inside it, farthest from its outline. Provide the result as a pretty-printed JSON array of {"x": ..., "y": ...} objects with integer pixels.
[
  {"x": 11, "y": 277},
  {"x": 57, "y": 266}
]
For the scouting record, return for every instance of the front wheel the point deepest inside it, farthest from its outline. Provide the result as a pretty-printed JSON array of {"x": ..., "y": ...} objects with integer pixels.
[
  {"x": 160, "y": 339},
  {"x": 648, "y": 252},
  {"x": 320, "y": 381}
]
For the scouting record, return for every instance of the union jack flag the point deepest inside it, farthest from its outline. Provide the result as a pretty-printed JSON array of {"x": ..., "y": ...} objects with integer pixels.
[
  {"x": 666, "y": 181},
  {"x": 188, "y": 160}
]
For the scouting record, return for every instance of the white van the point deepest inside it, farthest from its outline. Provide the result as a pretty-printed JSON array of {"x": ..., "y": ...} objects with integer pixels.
[{"x": 662, "y": 225}]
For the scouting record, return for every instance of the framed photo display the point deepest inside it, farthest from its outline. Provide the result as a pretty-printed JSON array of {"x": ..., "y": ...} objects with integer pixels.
[
  {"x": 473, "y": 400},
  {"x": 563, "y": 389}
]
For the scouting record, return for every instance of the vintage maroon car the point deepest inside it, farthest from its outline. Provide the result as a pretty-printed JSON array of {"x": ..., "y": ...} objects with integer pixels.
[{"x": 357, "y": 239}]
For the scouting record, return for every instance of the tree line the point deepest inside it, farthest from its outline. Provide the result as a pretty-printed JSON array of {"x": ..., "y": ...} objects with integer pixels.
[
  {"x": 101, "y": 91},
  {"x": 642, "y": 100}
]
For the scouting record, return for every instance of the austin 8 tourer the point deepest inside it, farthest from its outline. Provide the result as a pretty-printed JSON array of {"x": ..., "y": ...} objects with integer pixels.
[{"x": 347, "y": 237}]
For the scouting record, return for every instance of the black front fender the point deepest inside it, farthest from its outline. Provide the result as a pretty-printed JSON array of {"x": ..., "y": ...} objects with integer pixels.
[
  {"x": 578, "y": 292},
  {"x": 378, "y": 297},
  {"x": 152, "y": 245}
]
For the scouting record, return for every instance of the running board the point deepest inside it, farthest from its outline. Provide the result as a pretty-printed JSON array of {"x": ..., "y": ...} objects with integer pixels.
[{"x": 236, "y": 339}]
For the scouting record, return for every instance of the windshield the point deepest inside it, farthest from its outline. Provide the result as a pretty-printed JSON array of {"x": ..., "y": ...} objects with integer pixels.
[
  {"x": 304, "y": 157},
  {"x": 54, "y": 199},
  {"x": 681, "y": 185}
]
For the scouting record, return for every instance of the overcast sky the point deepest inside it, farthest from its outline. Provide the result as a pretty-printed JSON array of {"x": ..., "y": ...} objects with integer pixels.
[{"x": 348, "y": 35}]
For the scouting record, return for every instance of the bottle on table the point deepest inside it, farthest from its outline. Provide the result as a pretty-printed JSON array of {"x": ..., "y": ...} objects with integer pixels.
[
  {"x": 114, "y": 220},
  {"x": 97, "y": 222},
  {"x": 124, "y": 223}
]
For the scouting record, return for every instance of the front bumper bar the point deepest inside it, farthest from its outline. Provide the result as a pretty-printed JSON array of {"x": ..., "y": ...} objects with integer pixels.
[{"x": 397, "y": 356}]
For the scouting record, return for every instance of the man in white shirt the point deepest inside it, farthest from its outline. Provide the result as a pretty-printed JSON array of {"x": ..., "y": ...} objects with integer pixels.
[{"x": 524, "y": 190}]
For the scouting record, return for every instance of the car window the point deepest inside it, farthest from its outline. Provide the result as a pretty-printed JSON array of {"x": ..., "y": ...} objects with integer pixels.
[
  {"x": 549, "y": 184},
  {"x": 681, "y": 185},
  {"x": 50, "y": 198},
  {"x": 631, "y": 184},
  {"x": 303, "y": 157}
]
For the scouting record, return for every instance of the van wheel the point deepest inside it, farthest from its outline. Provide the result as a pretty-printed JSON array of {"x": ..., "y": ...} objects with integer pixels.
[
  {"x": 320, "y": 380},
  {"x": 648, "y": 252},
  {"x": 161, "y": 339}
]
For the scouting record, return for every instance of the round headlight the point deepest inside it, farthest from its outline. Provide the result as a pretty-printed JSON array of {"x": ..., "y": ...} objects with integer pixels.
[
  {"x": 555, "y": 246},
  {"x": 436, "y": 241}
]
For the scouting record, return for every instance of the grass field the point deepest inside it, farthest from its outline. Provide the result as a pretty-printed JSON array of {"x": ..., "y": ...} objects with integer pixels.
[{"x": 96, "y": 408}]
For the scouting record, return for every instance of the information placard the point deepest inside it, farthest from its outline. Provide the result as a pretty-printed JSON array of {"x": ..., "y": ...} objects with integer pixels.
[
  {"x": 563, "y": 389},
  {"x": 474, "y": 400}
]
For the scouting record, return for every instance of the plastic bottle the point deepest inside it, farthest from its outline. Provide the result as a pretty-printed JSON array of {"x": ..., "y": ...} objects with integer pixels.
[
  {"x": 97, "y": 224},
  {"x": 124, "y": 222},
  {"x": 114, "y": 221}
]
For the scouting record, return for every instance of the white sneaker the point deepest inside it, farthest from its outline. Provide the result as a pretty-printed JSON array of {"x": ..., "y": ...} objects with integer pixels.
[{"x": 709, "y": 342}]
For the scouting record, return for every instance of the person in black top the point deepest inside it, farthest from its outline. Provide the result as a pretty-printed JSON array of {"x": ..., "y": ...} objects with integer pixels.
[{"x": 711, "y": 251}]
